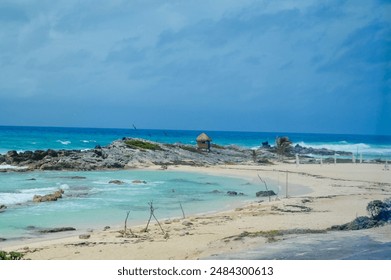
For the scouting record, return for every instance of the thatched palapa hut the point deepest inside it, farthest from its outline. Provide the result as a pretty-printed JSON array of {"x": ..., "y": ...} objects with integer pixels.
[{"x": 203, "y": 141}]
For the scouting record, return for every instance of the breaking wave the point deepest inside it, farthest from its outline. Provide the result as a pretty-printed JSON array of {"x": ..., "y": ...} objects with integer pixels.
[
  {"x": 376, "y": 150},
  {"x": 64, "y": 142}
]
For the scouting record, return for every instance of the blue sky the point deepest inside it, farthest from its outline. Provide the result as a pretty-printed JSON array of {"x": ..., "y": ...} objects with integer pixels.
[{"x": 292, "y": 66}]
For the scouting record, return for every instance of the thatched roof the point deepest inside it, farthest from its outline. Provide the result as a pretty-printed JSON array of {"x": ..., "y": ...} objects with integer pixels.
[{"x": 203, "y": 137}]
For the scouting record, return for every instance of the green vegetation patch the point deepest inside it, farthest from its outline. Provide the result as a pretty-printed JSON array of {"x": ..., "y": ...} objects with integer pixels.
[
  {"x": 138, "y": 144},
  {"x": 10, "y": 255}
]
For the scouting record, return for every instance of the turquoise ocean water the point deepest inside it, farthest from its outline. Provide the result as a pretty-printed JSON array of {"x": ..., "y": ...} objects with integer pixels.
[
  {"x": 35, "y": 138},
  {"x": 90, "y": 201}
]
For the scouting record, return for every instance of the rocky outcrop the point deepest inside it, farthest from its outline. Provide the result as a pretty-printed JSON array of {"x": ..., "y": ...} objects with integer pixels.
[
  {"x": 116, "y": 182},
  {"x": 119, "y": 154},
  {"x": 380, "y": 214},
  {"x": 234, "y": 193},
  {"x": 321, "y": 152},
  {"x": 49, "y": 197},
  {"x": 380, "y": 210},
  {"x": 2, "y": 208},
  {"x": 55, "y": 230},
  {"x": 265, "y": 193}
]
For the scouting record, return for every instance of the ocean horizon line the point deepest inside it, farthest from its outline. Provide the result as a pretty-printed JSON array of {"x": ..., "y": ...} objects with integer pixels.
[{"x": 132, "y": 128}]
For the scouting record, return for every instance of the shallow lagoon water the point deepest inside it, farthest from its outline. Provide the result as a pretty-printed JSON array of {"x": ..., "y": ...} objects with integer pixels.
[{"x": 90, "y": 201}]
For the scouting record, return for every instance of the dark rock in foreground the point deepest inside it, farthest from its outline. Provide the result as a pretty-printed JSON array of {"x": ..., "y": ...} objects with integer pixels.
[
  {"x": 379, "y": 210},
  {"x": 359, "y": 223},
  {"x": 380, "y": 214}
]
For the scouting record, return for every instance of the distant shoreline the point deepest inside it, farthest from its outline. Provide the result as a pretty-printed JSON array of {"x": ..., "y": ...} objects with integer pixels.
[{"x": 121, "y": 154}]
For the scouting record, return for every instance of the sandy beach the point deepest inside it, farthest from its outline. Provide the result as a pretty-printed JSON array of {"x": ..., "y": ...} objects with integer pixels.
[{"x": 319, "y": 196}]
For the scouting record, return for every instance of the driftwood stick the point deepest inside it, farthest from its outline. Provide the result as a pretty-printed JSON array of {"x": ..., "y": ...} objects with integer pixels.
[
  {"x": 263, "y": 181},
  {"x": 183, "y": 212},
  {"x": 159, "y": 224},
  {"x": 150, "y": 215},
  {"x": 125, "y": 226}
]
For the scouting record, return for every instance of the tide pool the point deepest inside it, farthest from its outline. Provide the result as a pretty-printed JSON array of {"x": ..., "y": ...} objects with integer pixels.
[{"x": 91, "y": 201}]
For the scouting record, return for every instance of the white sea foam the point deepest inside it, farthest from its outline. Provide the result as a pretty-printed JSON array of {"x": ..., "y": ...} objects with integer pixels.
[
  {"x": 7, "y": 166},
  {"x": 64, "y": 142},
  {"x": 14, "y": 198},
  {"x": 351, "y": 147},
  {"x": 88, "y": 141}
]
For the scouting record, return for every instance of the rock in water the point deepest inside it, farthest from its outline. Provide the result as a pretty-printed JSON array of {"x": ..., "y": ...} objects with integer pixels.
[
  {"x": 49, "y": 197},
  {"x": 139, "y": 182},
  {"x": 265, "y": 193},
  {"x": 2, "y": 208},
  {"x": 117, "y": 182},
  {"x": 54, "y": 230}
]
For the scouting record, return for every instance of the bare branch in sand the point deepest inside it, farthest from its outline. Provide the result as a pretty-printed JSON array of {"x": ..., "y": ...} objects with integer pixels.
[
  {"x": 264, "y": 182},
  {"x": 125, "y": 226},
  {"x": 152, "y": 214},
  {"x": 183, "y": 212}
]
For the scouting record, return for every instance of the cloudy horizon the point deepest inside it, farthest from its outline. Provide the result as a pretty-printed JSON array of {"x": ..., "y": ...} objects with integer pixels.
[{"x": 295, "y": 66}]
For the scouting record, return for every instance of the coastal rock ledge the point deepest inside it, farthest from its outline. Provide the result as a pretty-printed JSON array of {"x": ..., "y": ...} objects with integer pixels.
[{"x": 133, "y": 153}]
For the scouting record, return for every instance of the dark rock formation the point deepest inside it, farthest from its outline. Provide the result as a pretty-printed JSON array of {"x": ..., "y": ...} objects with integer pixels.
[
  {"x": 266, "y": 145},
  {"x": 49, "y": 197},
  {"x": 265, "y": 193},
  {"x": 380, "y": 214},
  {"x": 358, "y": 223},
  {"x": 234, "y": 193},
  {"x": 120, "y": 155},
  {"x": 379, "y": 210},
  {"x": 2, "y": 208},
  {"x": 297, "y": 149},
  {"x": 116, "y": 182},
  {"x": 55, "y": 230},
  {"x": 139, "y": 182}
]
